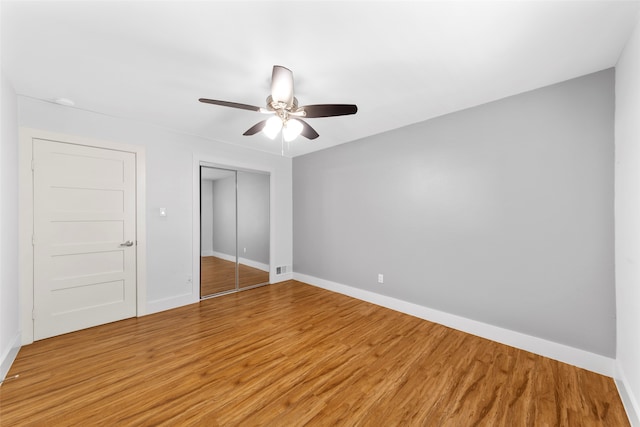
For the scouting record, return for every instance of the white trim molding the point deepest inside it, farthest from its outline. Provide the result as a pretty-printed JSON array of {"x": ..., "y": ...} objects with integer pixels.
[
  {"x": 169, "y": 303},
  {"x": 10, "y": 355},
  {"x": 226, "y": 257},
  {"x": 27, "y": 135},
  {"x": 563, "y": 353},
  {"x": 629, "y": 400},
  {"x": 253, "y": 264}
]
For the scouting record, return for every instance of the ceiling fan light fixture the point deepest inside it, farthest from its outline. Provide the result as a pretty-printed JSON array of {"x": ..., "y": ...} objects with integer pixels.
[
  {"x": 272, "y": 127},
  {"x": 291, "y": 129},
  {"x": 287, "y": 115}
]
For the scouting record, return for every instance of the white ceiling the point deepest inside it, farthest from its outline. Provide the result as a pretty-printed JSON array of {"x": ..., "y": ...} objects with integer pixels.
[{"x": 400, "y": 62}]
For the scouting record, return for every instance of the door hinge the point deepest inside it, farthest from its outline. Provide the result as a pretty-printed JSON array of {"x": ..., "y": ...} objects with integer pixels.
[
  {"x": 33, "y": 165},
  {"x": 33, "y": 314},
  {"x": 33, "y": 240}
]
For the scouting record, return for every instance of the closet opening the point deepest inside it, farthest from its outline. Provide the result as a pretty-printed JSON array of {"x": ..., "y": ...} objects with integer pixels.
[{"x": 234, "y": 230}]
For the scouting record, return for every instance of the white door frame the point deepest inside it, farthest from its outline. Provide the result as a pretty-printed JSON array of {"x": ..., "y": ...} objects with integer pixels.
[{"x": 27, "y": 135}]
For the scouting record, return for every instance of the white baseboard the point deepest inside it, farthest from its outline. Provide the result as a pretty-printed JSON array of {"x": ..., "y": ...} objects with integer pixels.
[
  {"x": 163, "y": 304},
  {"x": 563, "y": 353},
  {"x": 282, "y": 277},
  {"x": 629, "y": 400},
  {"x": 253, "y": 264},
  {"x": 220, "y": 255},
  {"x": 171, "y": 302},
  {"x": 9, "y": 356},
  {"x": 232, "y": 258}
]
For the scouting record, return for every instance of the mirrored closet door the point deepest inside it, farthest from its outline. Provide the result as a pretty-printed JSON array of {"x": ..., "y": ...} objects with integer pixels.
[
  {"x": 234, "y": 230},
  {"x": 253, "y": 228}
]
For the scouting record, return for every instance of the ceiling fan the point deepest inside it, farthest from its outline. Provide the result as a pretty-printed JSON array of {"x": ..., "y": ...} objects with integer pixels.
[{"x": 287, "y": 115}]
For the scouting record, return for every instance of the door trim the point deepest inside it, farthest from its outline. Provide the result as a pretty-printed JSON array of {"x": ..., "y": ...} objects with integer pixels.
[{"x": 27, "y": 135}]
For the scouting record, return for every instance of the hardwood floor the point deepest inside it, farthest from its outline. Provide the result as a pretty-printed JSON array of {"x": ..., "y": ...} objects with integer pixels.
[
  {"x": 218, "y": 275},
  {"x": 291, "y": 354}
]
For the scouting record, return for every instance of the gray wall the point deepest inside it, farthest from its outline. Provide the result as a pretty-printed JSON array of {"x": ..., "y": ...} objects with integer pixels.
[{"x": 501, "y": 213}]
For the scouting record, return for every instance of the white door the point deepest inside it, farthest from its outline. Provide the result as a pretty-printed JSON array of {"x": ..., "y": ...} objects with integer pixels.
[{"x": 84, "y": 237}]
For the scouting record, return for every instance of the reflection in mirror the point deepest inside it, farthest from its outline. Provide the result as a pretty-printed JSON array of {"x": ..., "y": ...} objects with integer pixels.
[
  {"x": 217, "y": 231},
  {"x": 253, "y": 228}
]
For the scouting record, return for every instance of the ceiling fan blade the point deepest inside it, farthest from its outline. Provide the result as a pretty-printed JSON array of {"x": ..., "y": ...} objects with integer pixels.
[
  {"x": 230, "y": 104},
  {"x": 282, "y": 85},
  {"x": 255, "y": 128},
  {"x": 328, "y": 110},
  {"x": 307, "y": 131}
]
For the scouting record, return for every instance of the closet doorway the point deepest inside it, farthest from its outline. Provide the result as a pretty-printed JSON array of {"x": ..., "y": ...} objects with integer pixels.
[{"x": 234, "y": 230}]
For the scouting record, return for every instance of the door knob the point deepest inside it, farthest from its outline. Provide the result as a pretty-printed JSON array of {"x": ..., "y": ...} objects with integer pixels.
[{"x": 127, "y": 243}]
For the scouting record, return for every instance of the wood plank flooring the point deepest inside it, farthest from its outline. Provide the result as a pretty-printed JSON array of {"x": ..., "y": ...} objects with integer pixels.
[
  {"x": 291, "y": 354},
  {"x": 218, "y": 275}
]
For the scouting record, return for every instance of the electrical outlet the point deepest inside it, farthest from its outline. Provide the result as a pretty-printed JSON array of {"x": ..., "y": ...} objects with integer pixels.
[{"x": 380, "y": 278}]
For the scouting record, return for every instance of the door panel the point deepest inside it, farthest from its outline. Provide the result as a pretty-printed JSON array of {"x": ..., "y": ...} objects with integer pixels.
[
  {"x": 80, "y": 297},
  {"x": 84, "y": 210},
  {"x": 67, "y": 199}
]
